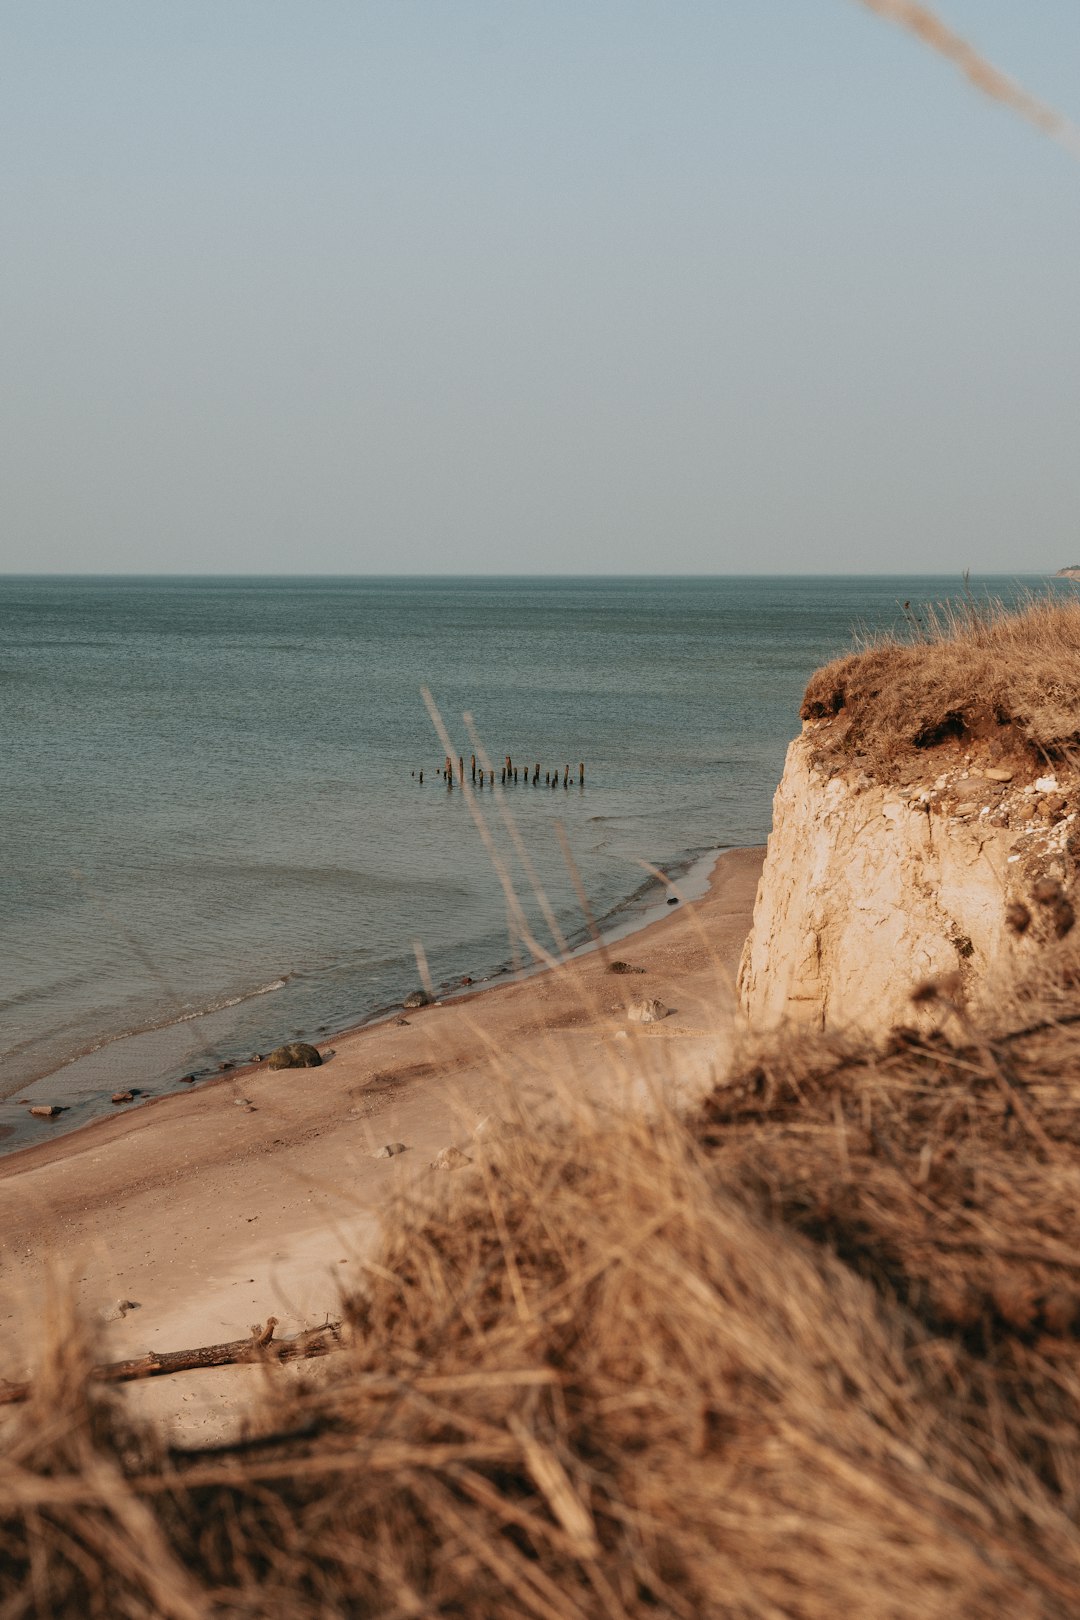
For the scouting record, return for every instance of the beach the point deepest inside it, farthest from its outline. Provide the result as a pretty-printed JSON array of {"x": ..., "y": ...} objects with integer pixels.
[{"x": 259, "y": 1193}]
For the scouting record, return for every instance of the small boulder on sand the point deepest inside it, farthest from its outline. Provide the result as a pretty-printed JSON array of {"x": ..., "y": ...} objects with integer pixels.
[
  {"x": 388, "y": 1150},
  {"x": 46, "y": 1110},
  {"x": 450, "y": 1158},
  {"x": 119, "y": 1309},
  {"x": 649, "y": 1011},
  {"x": 418, "y": 998},
  {"x": 294, "y": 1055}
]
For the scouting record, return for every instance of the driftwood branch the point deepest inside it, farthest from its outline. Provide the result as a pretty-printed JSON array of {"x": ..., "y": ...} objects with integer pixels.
[{"x": 260, "y": 1347}]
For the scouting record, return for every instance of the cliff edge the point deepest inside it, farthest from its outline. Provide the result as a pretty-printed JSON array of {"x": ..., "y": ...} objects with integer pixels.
[{"x": 921, "y": 835}]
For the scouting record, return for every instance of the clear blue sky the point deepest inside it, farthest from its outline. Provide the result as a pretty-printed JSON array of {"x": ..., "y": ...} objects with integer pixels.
[{"x": 440, "y": 285}]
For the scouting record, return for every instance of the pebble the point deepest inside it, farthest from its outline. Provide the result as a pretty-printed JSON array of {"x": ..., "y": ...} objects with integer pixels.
[
  {"x": 46, "y": 1110},
  {"x": 123, "y": 1096},
  {"x": 1046, "y": 784},
  {"x": 117, "y": 1311},
  {"x": 388, "y": 1150},
  {"x": 450, "y": 1158},
  {"x": 647, "y": 1012},
  {"x": 996, "y": 773}
]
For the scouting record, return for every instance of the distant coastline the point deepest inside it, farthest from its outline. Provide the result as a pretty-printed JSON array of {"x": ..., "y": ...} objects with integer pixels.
[{"x": 1072, "y": 572}]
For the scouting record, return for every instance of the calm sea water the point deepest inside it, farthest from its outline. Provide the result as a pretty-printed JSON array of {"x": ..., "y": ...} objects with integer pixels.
[{"x": 207, "y": 801}]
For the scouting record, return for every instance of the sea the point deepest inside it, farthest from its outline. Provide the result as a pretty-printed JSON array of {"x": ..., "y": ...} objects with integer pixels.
[{"x": 214, "y": 834}]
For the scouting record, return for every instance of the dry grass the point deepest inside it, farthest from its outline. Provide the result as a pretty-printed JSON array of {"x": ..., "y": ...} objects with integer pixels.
[
  {"x": 1007, "y": 680},
  {"x": 813, "y": 1353}
]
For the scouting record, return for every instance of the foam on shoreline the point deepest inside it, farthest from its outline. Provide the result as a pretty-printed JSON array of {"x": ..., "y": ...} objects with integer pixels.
[{"x": 84, "y": 1085}]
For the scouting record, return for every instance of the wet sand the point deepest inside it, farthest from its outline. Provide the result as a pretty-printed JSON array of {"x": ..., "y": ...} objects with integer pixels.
[{"x": 258, "y": 1194}]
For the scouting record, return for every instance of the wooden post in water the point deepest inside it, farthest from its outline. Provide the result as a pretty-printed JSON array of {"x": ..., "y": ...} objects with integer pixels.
[
  {"x": 421, "y": 778},
  {"x": 581, "y": 774},
  {"x": 515, "y": 775},
  {"x": 503, "y": 777},
  {"x": 461, "y": 769},
  {"x": 472, "y": 764},
  {"x": 536, "y": 773},
  {"x": 566, "y": 776}
]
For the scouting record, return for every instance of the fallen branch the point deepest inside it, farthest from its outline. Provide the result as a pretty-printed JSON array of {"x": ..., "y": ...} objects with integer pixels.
[{"x": 260, "y": 1347}]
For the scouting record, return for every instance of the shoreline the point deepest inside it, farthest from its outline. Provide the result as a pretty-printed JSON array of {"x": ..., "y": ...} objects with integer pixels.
[
  {"x": 261, "y": 1193},
  {"x": 88, "y": 1100}
]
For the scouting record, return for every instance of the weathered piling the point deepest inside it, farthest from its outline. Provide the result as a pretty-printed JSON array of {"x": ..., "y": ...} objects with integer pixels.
[
  {"x": 509, "y": 773},
  {"x": 421, "y": 776}
]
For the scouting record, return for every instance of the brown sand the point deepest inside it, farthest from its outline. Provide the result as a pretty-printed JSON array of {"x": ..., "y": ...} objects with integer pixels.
[{"x": 258, "y": 1193}]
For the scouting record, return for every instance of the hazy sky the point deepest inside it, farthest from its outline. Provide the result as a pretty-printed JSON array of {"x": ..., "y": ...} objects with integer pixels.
[{"x": 572, "y": 285}]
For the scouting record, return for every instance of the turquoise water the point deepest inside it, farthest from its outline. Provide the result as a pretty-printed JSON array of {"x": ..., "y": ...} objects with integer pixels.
[{"x": 208, "y": 801}]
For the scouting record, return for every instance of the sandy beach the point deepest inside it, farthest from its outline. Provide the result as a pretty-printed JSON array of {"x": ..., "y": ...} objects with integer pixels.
[{"x": 259, "y": 1193}]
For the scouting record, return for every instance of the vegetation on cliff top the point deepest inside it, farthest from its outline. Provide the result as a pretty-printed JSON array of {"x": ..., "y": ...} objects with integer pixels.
[{"x": 1005, "y": 682}]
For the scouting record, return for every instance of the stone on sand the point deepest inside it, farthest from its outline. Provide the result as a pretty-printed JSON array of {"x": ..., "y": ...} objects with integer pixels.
[
  {"x": 649, "y": 1011},
  {"x": 294, "y": 1055},
  {"x": 450, "y": 1158}
]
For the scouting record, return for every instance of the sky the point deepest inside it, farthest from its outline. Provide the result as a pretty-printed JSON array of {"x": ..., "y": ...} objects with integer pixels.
[{"x": 409, "y": 286}]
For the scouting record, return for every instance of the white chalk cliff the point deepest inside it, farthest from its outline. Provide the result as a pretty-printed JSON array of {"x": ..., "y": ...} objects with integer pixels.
[{"x": 869, "y": 890}]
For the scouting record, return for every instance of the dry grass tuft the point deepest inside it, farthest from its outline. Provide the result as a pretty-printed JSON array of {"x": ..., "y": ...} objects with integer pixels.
[
  {"x": 946, "y": 1173},
  {"x": 1008, "y": 680},
  {"x": 814, "y": 1355}
]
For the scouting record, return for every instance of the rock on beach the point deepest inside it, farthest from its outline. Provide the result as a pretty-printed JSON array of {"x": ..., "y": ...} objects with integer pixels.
[
  {"x": 450, "y": 1158},
  {"x": 649, "y": 1011},
  {"x": 294, "y": 1055}
]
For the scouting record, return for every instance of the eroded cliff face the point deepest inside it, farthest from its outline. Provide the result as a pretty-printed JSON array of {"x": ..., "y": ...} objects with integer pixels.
[{"x": 869, "y": 891}]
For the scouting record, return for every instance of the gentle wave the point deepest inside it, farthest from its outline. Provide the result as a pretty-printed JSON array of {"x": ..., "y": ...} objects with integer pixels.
[{"x": 220, "y": 1006}]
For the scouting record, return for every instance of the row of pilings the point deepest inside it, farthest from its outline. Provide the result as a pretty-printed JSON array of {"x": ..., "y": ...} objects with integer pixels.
[{"x": 509, "y": 774}]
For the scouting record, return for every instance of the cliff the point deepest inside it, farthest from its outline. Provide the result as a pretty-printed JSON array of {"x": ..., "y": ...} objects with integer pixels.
[{"x": 872, "y": 888}]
